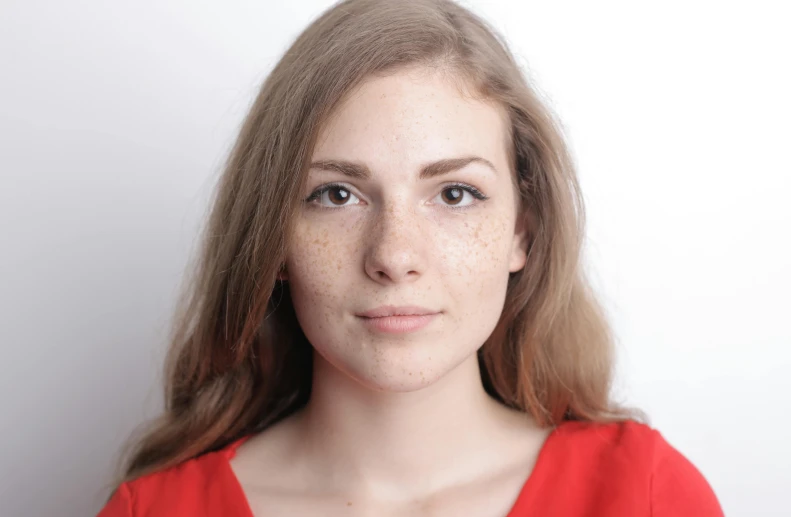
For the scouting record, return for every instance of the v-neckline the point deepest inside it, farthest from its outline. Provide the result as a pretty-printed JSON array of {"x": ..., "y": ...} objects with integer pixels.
[{"x": 521, "y": 505}]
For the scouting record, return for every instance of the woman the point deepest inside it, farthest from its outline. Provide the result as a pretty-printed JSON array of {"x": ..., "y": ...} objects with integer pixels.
[{"x": 389, "y": 315}]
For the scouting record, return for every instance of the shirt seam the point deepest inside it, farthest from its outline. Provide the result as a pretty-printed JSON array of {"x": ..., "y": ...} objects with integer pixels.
[{"x": 130, "y": 498}]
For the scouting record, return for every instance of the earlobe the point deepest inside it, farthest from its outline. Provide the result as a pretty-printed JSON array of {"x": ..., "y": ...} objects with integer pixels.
[
  {"x": 518, "y": 254},
  {"x": 519, "y": 247},
  {"x": 282, "y": 275}
]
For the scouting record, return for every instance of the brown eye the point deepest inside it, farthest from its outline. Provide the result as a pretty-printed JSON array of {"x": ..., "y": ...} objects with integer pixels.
[
  {"x": 332, "y": 196},
  {"x": 338, "y": 195},
  {"x": 453, "y": 196}
]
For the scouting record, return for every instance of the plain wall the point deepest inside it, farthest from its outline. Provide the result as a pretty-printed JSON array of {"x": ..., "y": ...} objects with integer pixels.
[{"x": 115, "y": 118}]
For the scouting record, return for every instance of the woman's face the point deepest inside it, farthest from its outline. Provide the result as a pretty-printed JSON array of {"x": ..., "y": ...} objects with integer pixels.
[{"x": 409, "y": 208}]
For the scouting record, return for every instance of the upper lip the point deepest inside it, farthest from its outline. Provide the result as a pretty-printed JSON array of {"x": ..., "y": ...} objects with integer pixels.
[{"x": 392, "y": 310}]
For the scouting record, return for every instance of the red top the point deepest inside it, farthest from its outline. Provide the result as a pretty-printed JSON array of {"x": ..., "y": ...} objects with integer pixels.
[{"x": 583, "y": 469}]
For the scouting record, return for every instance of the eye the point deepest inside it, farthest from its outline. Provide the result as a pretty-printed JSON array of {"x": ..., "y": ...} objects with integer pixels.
[
  {"x": 460, "y": 195},
  {"x": 332, "y": 196}
]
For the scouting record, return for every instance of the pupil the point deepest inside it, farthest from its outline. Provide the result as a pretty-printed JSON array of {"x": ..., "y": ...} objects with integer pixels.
[
  {"x": 338, "y": 195},
  {"x": 453, "y": 195}
]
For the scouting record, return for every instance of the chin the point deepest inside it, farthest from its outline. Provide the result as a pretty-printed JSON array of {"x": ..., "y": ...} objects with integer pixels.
[
  {"x": 403, "y": 374},
  {"x": 392, "y": 372},
  {"x": 398, "y": 383},
  {"x": 397, "y": 367}
]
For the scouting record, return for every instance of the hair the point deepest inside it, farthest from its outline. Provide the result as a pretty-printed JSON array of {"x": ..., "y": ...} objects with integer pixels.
[{"x": 238, "y": 360}]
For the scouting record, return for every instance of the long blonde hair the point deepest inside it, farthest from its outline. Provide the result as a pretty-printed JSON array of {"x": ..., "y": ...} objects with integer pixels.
[{"x": 239, "y": 362}]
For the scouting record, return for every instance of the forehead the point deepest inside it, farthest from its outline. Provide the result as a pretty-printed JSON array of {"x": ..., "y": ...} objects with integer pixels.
[{"x": 410, "y": 117}]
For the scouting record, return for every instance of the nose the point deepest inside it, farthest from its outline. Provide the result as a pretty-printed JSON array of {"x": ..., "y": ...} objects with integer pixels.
[{"x": 395, "y": 247}]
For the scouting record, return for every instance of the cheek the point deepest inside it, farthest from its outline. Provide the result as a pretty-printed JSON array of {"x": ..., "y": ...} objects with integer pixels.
[
  {"x": 475, "y": 277},
  {"x": 318, "y": 259},
  {"x": 477, "y": 249},
  {"x": 476, "y": 273}
]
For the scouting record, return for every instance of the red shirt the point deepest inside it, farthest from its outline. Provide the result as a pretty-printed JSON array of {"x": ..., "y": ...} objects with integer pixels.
[{"x": 583, "y": 469}]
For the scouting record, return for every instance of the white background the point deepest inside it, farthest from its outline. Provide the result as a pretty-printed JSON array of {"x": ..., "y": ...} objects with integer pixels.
[{"x": 115, "y": 118}]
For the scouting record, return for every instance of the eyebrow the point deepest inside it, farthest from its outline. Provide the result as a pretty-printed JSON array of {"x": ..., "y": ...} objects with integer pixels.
[{"x": 431, "y": 170}]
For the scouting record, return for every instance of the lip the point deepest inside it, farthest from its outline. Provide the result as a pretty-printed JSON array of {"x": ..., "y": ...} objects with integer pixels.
[
  {"x": 397, "y": 320},
  {"x": 392, "y": 310}
]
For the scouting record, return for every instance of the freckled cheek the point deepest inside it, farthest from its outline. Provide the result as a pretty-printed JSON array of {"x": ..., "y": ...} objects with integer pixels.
[
  {"x": 321, "y": 253},
  {"x": 474, "y": 248}
]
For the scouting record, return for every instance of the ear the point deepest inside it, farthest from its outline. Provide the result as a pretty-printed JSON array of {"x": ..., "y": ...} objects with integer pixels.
[
  {"x": 282, "y": 275},
  {"x": 518, "y": 257}
]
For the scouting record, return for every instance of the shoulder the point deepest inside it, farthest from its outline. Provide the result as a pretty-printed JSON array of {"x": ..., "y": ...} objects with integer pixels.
[
  {"x": 204, "y": 485},
  {"x": 629, "y": 441},
  {"x": 614, "y": 459},
  {"x": 588, "y": 451}
]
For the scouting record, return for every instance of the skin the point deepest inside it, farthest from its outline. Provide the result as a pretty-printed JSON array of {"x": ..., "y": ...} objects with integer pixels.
[{"x": 399, "y": 424}]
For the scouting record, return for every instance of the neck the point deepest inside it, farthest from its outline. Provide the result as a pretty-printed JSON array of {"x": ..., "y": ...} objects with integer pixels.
[{"x": 413, "y": 441}]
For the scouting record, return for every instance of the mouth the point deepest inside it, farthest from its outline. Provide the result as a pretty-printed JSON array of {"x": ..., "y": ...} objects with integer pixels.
[{"x": 397, "y": 320}]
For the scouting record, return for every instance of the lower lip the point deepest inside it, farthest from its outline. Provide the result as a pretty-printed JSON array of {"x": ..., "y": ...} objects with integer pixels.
[{"x": 399, "y": 324}]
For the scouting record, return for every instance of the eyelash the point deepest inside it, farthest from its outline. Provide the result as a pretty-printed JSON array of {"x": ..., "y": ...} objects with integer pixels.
[{"x": 474, "y": 192}]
